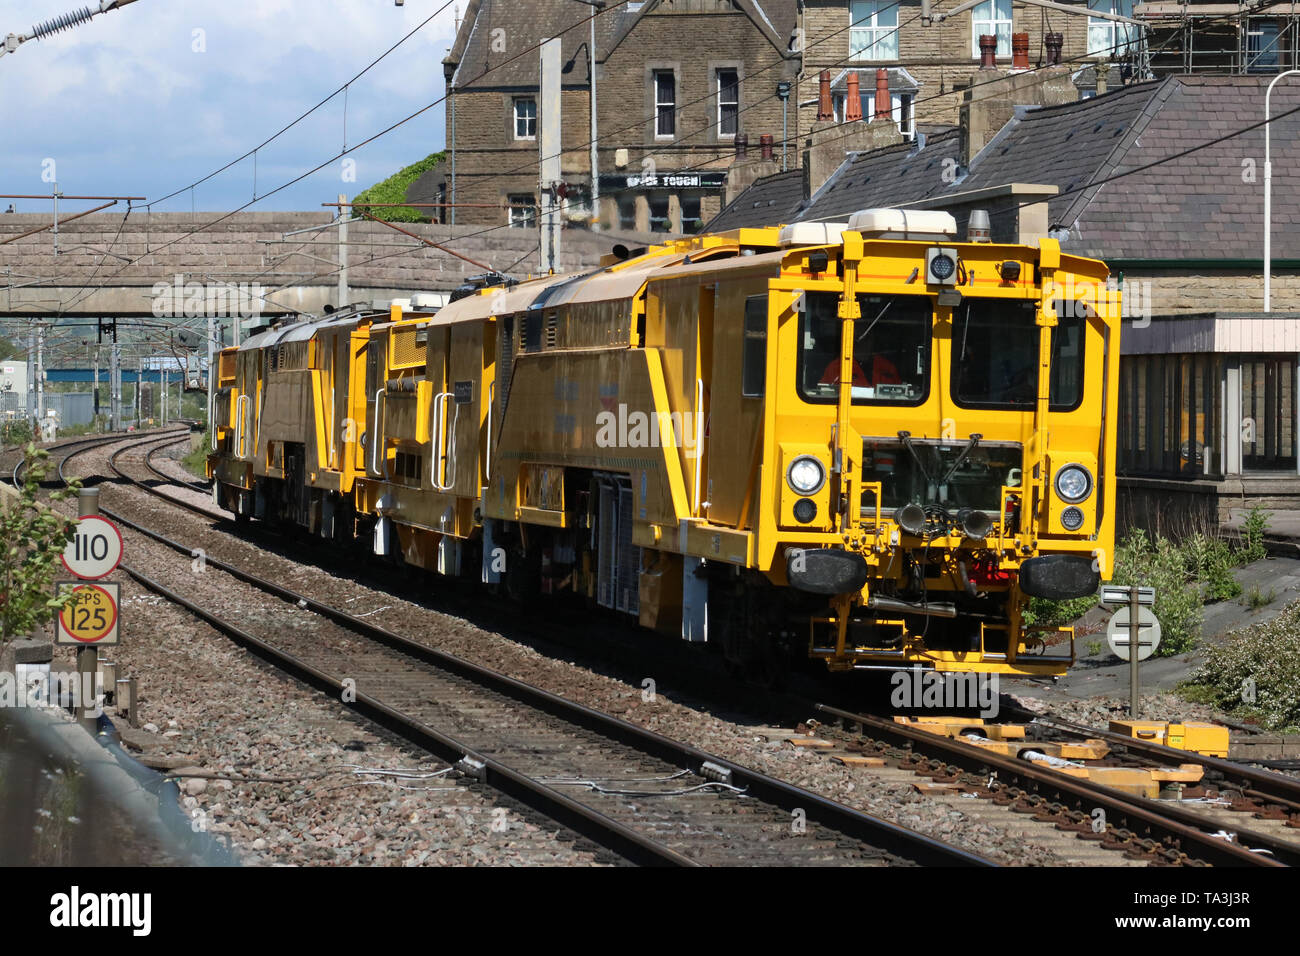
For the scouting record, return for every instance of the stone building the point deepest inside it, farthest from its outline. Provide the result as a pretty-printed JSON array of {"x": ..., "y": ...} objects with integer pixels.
[
  {"x": 678, "y": 82},
  {"x": 931, "y": 63}
]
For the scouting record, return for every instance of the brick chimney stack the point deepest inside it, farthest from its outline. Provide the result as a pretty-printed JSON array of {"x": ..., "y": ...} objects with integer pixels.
[
  {"x": 1053, "y": 42},
  {"x": 825, "y": 109},
  {"x": 988, "y": 52},
  {"x": 1020, "y": 51},
  {"x": 884, "y": 108},
  {"x": 853, "y": 99}
]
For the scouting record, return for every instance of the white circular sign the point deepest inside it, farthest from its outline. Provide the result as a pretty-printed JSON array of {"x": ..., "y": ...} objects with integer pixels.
[
  {"x": 95, "y": 548},
  {"x": 1118, "y": 634}
]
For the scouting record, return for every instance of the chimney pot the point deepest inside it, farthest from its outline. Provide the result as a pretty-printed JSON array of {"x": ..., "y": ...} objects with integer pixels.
[
  {"x": 884, "y": 108},
  {"x": 988, "y": 52},
  {"x": 765, "y": 143},
  {"x": 742, "y": 145},
  {"x": 1054, "y": 42},
  {"x": 1020, "y": 51},
  {"x": 825, "y": 110},
  {"x": 852, "y": 99}
]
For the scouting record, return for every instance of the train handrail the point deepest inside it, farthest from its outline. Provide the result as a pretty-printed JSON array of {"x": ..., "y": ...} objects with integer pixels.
[
  {"x": 439, "y": 441},
  {"x": 375, "y": 440},
  {"x": 241, "y": 430},
  {"x": 699, "y": 440},
  {"x": 487, "y": 454}
]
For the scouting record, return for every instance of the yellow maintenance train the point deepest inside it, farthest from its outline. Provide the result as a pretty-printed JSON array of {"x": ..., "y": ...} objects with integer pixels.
[{"x": 867, "y": 442}]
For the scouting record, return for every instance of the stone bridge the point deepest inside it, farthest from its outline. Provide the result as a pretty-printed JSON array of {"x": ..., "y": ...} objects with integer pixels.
[{"x": 107, "y": 265}]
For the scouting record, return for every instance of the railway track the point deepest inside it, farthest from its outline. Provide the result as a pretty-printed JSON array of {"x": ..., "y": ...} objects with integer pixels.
[
  {"x": 1142, "y": 837},
  {"x": 1160, "y": 830},
  {"x": 648, "y": 798}
]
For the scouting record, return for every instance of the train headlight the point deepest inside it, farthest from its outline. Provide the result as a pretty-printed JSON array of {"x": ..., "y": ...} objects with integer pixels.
[
  {"x": 806, "y": 475},
  {"x": 1073, "y": 483}
]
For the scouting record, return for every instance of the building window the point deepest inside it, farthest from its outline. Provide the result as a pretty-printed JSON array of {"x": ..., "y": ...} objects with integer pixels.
[
  {"x": 873, "y": 31},
  {"x": 523, "y": 211},
  {"x": 659, "y": 221},
  {"x": 904, "y": 113},
  {"x": 692, "y": 219},
  {"x": 627, "y": 212},
  {"x": 728, "y": 85},
  {"x": 1261, "y": 46},
  {"x": 992, "y": 18},
  {"x": 665, "y": 104},
  {"x": 1109, "y": 37},
  {"x": 525, "y": 118}
]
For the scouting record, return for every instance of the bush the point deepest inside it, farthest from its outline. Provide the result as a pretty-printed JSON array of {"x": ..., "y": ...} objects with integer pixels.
[
  {"x": 1255, "y": 673},
  {"x": 1057, "y": 613},
  {"x": 1159, "y": 563},
  {"x": 33, "y": 538},
  {"x": 197, "y": 460},
  {"x": 1252, "y": 536},
  {"x": 1212, "y": 561},
  {"x": 18, "y": 432}
]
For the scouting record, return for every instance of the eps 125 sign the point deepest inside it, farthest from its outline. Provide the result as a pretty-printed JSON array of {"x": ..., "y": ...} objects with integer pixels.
[{"x": 90, "y": 618}]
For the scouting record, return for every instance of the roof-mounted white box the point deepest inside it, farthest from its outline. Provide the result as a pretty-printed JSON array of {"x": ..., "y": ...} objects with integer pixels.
[
  {"x": 915, "y": 224},
  {"x": 812, "y": 234}
]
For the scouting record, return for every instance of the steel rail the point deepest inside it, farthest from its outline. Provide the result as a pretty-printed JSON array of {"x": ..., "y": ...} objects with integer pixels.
[
  {"x": 1262, "y": 783},
  {"x": 1142, "y": 816},
  {"x": 847, "y": 821}
]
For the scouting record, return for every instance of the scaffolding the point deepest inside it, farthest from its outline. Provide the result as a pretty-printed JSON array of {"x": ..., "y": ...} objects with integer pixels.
[{"x": 1258, "y": 37}]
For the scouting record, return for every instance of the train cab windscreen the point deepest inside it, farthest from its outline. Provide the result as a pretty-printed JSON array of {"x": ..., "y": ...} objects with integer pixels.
[
  {"x": 995, "y": 356},
  {"x": 891, "y": 349}
]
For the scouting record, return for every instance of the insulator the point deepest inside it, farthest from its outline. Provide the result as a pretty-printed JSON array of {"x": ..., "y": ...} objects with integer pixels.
[{"x": 59, "y": 24}]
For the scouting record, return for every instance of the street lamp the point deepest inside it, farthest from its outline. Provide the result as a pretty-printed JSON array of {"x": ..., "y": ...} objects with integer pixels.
[
  {"x": 596, "y": 5},
  {"x": 1268, "y": 194}
]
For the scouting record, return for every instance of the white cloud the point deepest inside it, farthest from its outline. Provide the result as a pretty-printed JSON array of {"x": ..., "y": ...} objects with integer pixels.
[{"x": 124, "y": 103}]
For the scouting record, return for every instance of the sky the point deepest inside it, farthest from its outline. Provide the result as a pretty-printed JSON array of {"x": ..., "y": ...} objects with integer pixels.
[{"x": 148, "y": 99}]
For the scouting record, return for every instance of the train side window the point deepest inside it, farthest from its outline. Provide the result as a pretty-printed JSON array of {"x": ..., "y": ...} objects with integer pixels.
[{"x": 754, "y": 361}]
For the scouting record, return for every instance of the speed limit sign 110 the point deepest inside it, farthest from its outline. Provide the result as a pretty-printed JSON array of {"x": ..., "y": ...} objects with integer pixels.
[{"x": 95, "y": 548}]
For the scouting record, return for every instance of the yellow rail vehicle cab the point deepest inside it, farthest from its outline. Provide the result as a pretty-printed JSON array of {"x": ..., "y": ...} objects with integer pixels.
[{"x": 863, "y": 442}]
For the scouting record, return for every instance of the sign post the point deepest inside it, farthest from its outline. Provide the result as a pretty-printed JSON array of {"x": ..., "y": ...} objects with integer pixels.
[
  {"x": 91, "y": 619},
  {"x": 1143, "y": 635}
]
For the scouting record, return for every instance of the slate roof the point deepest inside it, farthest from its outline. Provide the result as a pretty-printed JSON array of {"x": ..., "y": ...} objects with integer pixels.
[
  {"x": 1206, "y": 205},
  {"x": 770, "y": 199},
  {"x": 886, "y": 177},
  {"x": 1209, "y": 204},
  {"x": 527, "y": 22}
]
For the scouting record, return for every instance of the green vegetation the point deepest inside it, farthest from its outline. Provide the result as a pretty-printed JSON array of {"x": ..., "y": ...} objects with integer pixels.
[
  {"x": 1255, "y": 674},
  {"x": 196, "y": 461},
  {"x": 1252, "y": 535},
  {"x": 33, "y": 538},
  {"x": 17, "y": 431},
  {"x": 1211, "y": 561},
  {"x": 1186, "y": 576},
  {"x": 393, "y": 189},
  {"x": 1173, "y": 571},
  {"x": 1041, "y": 611},
  {"x": 1256, "y": 599}
]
